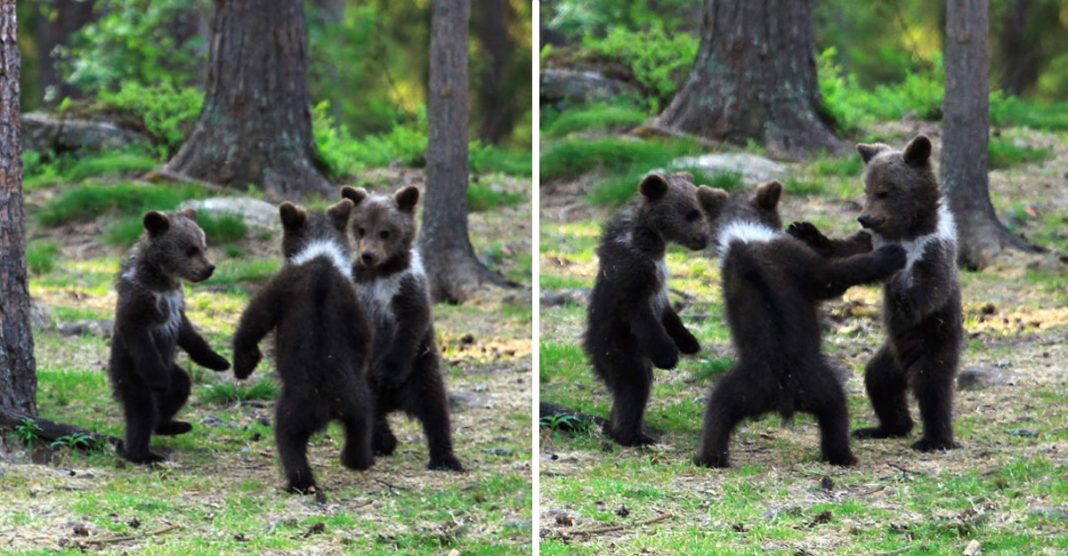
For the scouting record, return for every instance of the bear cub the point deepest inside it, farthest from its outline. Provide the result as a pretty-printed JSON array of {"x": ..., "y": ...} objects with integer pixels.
[
  {"x": 405, "y": 370},
  {"x": 150, "y": 324},
  {"x": 772, "y": 284},
  {"x": 921, "y": 302},
  {"x": 322, "y": 341},
  {"x": 631, "y": 326}
]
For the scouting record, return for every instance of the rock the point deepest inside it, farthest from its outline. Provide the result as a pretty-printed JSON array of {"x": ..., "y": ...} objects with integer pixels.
[
  {"x": 577, "y": 86},
  {"x": 462, "y": 400},
  {"x": 40, "y": 315},
  {"x": 753, "y": 168},
  {"x": 973, "y": 548},
  {"x": 1026, "y": 433},
  {"x": 503, "y": 452},
  {"x": 559, "y": 298},
  {"x": 980, "y": 378},
  {"x": 519, "y": 524},
  {"x": 99, "y": 328},
  {"x": 53, "y": 133},
  {"x": 1054, "y": 513},
  {"x": 258, "y": 215}
]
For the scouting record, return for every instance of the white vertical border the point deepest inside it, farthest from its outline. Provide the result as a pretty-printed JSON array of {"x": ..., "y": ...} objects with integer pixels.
[{"x": 535, "y": 195}]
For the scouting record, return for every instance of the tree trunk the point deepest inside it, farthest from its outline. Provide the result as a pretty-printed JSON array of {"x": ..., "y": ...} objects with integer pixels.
[
  {"x": 71, "y": 15},
  {"x": 755, "y": 78},
  {"x": 965, "y": 136},
  {"x": 1020, "y": 52},
  {"x": 255, "y": 127},
  {"x": 452, "y": 267},
  {"x": 18, "y": 378},
  {"x": 498, "y": 110}
]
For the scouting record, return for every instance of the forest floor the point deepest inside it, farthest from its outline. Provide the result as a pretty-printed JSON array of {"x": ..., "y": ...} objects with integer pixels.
[
  {"x": 1005, "y": 489},
  {"x": 221, "y": 489}
]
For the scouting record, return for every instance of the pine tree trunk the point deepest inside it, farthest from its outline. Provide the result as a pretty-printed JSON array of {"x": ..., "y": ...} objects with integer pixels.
[
  {"x": 1020, "y": 52},
  {"x": 965, "y": 135},
  {"x": 498, "y": 109},
  {"x": 255, "y": 127},
  {"x": 18, "y": 378},
  {"x": 452, "y": 267},
  {"x": 755, "y": 78}
]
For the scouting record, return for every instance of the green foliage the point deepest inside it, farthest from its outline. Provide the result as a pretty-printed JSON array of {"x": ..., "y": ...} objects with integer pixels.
[
  {"x": 232, "y": 272},
  {"x": 491, "y": 159},
  {"x": 135, "y": 41},
  {"x": 1014, "y": 111},
  {"x": 659, "y": 59},
  {"x": 596, "y": 117},
  {"x": 27, "y": 432},
  {"x": 222, "y": 228},
  {"x": 575, "y": 424},
  {"x": 166, "y": 111},
  {"x": 79, "y": 441},
  {"x": 574, "y": 157},
  {"x": 226, "y": 393},
  {"x": 797, "y": 186},
  {"x": 1004, "y": 153},
  {"x": 346, "y": 156},
  {"x": 482, "y": 197},
  {"x": 844, "y": 167},
  {"x": 92, "y": 199},
  {"x": 123, "y": 232},
  {"x": 41, "y": 256},
  {"x": 580, "y": 18},
  {"x": 113, "y": 163},
  {"x": 37, "y": 170}
]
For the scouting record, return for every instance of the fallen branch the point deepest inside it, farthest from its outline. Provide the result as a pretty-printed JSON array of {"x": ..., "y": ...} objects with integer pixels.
[
  {"x": 614, "y": 528},
  {"x": 112, "y": 540},
  {"x": 50, "y": 430},
  {"x": 902, "y": 469}
]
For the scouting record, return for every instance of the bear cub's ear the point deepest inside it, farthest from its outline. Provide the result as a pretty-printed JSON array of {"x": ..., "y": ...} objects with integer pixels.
[
  {"x": 767, "y": 194},
  {"x": 188, "y": 213},
  {"x": 712, "y": 199},
  {"x": 918, "y": 151},
  {"x": 354, "y": 194},
  {"x": 653, "y": 186},
  {"x": 406, "y": 198},
  {"x": 339, "y": 213},
  {"x": 156, "y": 223},
  {"x": 293, "y": 217},
  {"x": 868, "y": 152}
]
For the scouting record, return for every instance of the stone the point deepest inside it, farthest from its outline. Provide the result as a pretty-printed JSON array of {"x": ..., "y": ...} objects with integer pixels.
[
  {"x": 40, "y": 315},
  {"x": 463, "y": 400},
  {"x": 753, "y": 168},
  {"x": 559, "y": 298},
  {"x": 99, "y": 328},
  {"x": 980, "y": 378},
  {"x": 258, "y": 215},
  {"x": 577, "y": 86},
  {"x": 45, "y": 132}
]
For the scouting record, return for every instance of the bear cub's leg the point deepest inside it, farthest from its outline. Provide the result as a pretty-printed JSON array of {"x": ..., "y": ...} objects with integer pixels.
[
  {"x": 887, "y": 387},
  {"x": 295, "y": 423},
  {"x": 171, "y": 401},
  {"x": 631, "y": 383}
]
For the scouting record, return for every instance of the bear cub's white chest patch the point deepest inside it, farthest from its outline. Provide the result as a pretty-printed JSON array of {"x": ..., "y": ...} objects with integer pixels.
[
  {"x": 377, "y": 296},
  {"x": 916, "y": 248}
]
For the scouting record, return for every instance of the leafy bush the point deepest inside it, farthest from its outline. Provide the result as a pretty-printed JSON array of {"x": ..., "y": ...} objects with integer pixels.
[
  {"x": 222, "y": 228},
  {"x": 659, "y": 59},
  {"x": 593, "y": 117},
  {"x": 482, "y": 197},
  {"x": 166, "y": 111},
  {"x": 38, "y": 170},
  {"x": 115, "y": 163},
  {"x": 1004, "y": 153},
  {"x": 346, "y": 156},
  {"x": 41, "y": 256},
  {"x": 574, "y": 157},
  {"x": 490, "y": 159},
  {"x": 847, "y": 166},
  {"x": 1014, "y": 111},
  {"x": 123, "y": 232},
  {"x": 92, "y": 199}
]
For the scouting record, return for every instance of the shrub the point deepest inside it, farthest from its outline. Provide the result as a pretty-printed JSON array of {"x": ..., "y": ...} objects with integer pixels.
[
  {"x": 659, "y": 59},
  {"x": 117, "y": 163},
  {"x": 594, "y": 117},
  {"x": 574, "y": 157},
  {"x": 482, "y": 197},
  {"x": 222, "y": 228},
  {"x": 1004, "y": 153},
  {"x": 490, "y": 159},
  {"x": 167, "y": 112},
  {"x": 41, "y": 256},
  {"x": 92, "y": 199}
]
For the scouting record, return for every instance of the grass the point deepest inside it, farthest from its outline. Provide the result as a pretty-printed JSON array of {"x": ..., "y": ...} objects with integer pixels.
[
  {"x": 595, "y": 117},
  {"x": 41, "y": 256},
  {"x": 90, "y": 200},
  {"x": 1005, "y": 153},
  {"x": 118, "y": 163},
  {"x": 482, "y": 197},
  {"x": 226, "y": 393},
  {"x": 573, "y": 157}
]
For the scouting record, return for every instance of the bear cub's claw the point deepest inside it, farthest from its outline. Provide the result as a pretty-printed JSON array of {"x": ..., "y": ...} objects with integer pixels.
[
  {"x": 934, "y": 445},
  {"x": 447, "y": 463},
  {"x": 173, "y": 428}
]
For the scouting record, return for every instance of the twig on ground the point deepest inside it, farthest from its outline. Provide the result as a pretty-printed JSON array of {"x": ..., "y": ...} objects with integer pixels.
[
  {"x": 112, "y": 540},
  {"x": 392, "y": 487},
  {"x": 902, "y": 469},
  {"x": 614, "y": 528}
]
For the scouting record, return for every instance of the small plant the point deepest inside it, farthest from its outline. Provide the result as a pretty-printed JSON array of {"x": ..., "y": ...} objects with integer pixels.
[
  {"x": 568, "y": 422},
  {"x": 78, "y": 441},
  {"x": 41, "y": 256},
  {"x": 27, "y": 432},
  {"x": 226, "y": 393}
]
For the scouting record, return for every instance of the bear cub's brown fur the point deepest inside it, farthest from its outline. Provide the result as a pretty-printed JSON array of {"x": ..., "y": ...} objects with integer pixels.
[
  {"x": 921, "y": 302},
  {"x": 405, "y": 370},
  {"x": 631, "y": 326},
  {"x": 150, "y": 324},
  {"x": 322, "y": 341}
]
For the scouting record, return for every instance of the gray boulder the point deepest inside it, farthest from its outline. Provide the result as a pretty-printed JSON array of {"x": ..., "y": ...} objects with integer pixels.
[
  {"x": 558, "y": 85},
  {"x": 258, "y": 215},
  {"x": 752, "y": 168},
  {"x": 53, "y": 133}
]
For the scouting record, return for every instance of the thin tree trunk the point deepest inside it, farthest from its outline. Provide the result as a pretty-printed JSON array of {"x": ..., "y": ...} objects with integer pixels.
[
  {"x": 755, "y": 78},
  {"x": 18, "y": 378},
  {"x": 452, "y": 267},
  {"x": 1021, "y": 55},
  {"x": 255, "y": 127},
  {"x": 965, "y": 135},
  {"x": 71, "y": 15},
  {"x": 497, "y": 105}
]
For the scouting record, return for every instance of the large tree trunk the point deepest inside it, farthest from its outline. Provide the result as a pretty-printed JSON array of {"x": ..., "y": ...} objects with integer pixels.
[
  {"x": 498, "y": 110},
  {"x": 965, "y": 135},
  {"x": 755, "y": 78},
  {"x": 18, "y": 378},
  {"x": 255, "y": 127},
  {"x": 52, "y": 32},
  {"x": 450, "y": 261}
]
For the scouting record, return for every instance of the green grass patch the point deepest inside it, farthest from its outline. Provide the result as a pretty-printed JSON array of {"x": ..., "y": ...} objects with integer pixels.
[
  {"x": 41, "y": 256},
  {"x": 595, "y": 117},
  {"x": 844, "y": 167},
  {"x": 491, "y": 159},
  {"x": 1014, "y": 111},
  {"x": 574, "y": 157},
  {"x": 116, "y": 163},
  {"x": 236, "y": 271},
  {"x": 86, "y": 201},
  {"x": 798, "y": 186},
  {"x": 482, "y": 197},
  {"x": 222, "y": 228},
  {"x": 226, "y": 393},
  {"x": 1005, "y": 153}
]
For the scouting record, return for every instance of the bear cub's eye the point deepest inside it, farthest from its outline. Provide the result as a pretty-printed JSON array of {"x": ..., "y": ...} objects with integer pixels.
[
  {"x": 384, "y": 234},
  {"x": 693, "y": 216},
  {"x": 882, "y": 195},
  {"x": 192, "y": 251},
  {"x": 361, "y": 231}
]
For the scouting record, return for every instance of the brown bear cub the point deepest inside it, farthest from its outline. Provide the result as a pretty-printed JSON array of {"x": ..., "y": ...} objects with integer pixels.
[
  {"x": 921, "y": 303},
  {"x": 405, "y": 370},
  {"x": 631, "y": 326},
  {"x": 150, "y": 324},
  {"x": 772, "y": 284},
  {"x": 322, "y": 341}
]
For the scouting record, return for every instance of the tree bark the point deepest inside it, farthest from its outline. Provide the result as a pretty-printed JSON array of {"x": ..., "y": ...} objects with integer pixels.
[
  {"x": 498, "y": 110},
  {"x": 255, "y": 127},
  {"x": 966, "y": 134},
  {"x": 755, "y": 78},
  {"x": 18, "y": 375},
  {"x": 452, "y": 267},
  {"x": 1020, "y": 53}
]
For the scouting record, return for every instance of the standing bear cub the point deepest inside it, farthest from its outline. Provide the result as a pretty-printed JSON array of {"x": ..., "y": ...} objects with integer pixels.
[
  {"x": 150, "y": 324},
  {"x": 772, "y": 284},
  {"x": 405, "y": 370},
  {"x": 921, "y": 303},
  {"x": 322, "y": 342},
  {"x": 630, "y": 324}
]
